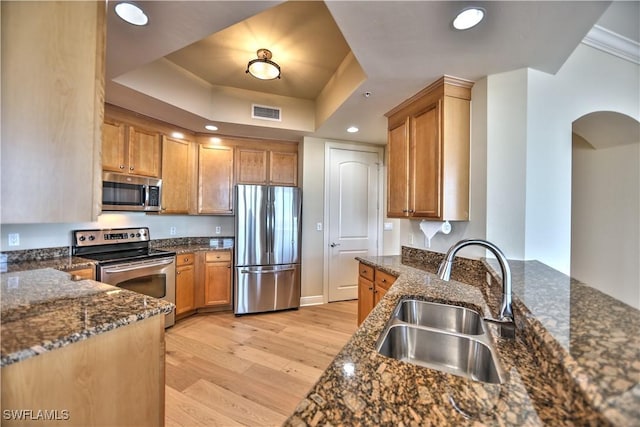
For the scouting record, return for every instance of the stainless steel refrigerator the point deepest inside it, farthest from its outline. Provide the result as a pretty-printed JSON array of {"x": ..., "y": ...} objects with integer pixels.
[{"x": 267, "y": 248}]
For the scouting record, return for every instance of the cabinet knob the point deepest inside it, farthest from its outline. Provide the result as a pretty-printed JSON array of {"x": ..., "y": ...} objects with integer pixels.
[
  {"x": 121, "y": 166},
  {"x": 371, "y": 289},
  {"x": 130, "y": 168},
  {"x": 384, "y": 280},
  {"x": 177, "y": 272}
]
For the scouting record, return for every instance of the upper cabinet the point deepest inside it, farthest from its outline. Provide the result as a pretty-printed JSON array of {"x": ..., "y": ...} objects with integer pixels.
[
  {"x": 275, "y": 164},
  {"x": 130, "y": 149},
  {"x": 52, "y": 110},
  {"x": 177, "y": 172},
  {"x": 215, "y": 180},
  {"x": 428, "y": 153}
]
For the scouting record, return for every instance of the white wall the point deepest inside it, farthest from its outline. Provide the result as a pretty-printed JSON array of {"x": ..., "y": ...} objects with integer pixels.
[
  {"x": 605, "y": 229},
  {"x": 590, "y": 80},
  {"x": 33, "y": 236},
  {"x": 312, "y": 213}
]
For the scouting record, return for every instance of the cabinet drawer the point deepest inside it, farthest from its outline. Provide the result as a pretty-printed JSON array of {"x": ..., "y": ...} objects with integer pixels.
[
  {"x": 215, "y": 256},
  {"x": 384, "y": 280},
  {"x": 366, "y": 271},
  {"x": 184, "y": 259}
]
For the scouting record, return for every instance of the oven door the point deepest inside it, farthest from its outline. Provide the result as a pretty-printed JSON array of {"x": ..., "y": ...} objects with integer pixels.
[{"x": 155, "y": 278}]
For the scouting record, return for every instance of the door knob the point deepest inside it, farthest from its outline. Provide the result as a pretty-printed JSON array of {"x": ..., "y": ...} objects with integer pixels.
[{"x": 333, "y": 245}]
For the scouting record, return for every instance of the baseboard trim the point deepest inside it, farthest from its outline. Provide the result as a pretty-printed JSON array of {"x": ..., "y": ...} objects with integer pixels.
[{"x": 312, "y": 300}]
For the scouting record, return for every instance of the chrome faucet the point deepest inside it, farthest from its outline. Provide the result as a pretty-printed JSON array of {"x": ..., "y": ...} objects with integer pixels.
[{"x": 505, "y": 320}]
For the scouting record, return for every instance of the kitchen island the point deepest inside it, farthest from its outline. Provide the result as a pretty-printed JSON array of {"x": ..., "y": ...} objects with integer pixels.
[
  {"x": 80, "y": 352},
  {"x": 575, "y": 359}
]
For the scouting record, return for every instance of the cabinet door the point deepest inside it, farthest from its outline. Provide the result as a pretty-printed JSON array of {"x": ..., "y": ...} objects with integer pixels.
[
  {"x": 398, "y": 170},
  {"x": 185, "y": 288},
  {"x": 379, "y": 293},
  {"x": 252, "y": 166},
  {"x": 215, "y": 180},
  {"x": 144, "y": 152},
  {"x": 283, "y": 168},
  {"x": 176, "y": 176},
  {"x": 217, "y": 284},
  {"x": 365, "y": 298},
  {"x": 426, "y": 163},
  {"x": 113, "y": 146}
]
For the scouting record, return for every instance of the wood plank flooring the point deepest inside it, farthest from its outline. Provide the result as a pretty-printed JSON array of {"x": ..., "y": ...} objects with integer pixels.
[{"x": 251, "y": 370}]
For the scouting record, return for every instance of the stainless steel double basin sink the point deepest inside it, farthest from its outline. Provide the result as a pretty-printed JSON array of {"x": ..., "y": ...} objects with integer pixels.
[{"x": 444, "y": 337}]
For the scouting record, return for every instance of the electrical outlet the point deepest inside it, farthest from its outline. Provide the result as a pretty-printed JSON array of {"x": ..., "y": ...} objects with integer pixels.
[
  {"x": 319, "y": 226},
  {"x": 14, "y": 239},
  {"x": 172, "y": 231},
  {"x": 411, "y": 239},
  {"x": 218, "y": 229}
]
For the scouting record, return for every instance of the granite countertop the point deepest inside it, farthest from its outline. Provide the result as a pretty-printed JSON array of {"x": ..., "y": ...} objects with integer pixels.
[
  {"x": 44, "y": 309},
  {"x": 547, "y": 383},
  {"x": 186, "y": 245}
]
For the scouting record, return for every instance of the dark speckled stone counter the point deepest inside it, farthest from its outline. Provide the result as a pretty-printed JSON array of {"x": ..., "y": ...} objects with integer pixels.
[
  {"x": 570, "y": 364},
  {"x": 42, "y": 310}
]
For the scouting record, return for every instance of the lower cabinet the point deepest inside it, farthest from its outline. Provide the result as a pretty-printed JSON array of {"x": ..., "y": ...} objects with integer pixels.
[
  {"x": 185, "y": 283},
  {"x": 373, "y": 284},
  {"x": 83, "y": 273},
  {"x": 217, "y": 279}
]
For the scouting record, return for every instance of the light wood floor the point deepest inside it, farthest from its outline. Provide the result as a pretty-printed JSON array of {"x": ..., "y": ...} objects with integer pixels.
[{"x": 251, "y": 370}]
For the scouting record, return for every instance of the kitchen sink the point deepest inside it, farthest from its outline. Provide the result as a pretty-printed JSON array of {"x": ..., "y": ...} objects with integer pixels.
[
  {"x": 440, "y": 316},
  {"x": 443, "y": 337}
]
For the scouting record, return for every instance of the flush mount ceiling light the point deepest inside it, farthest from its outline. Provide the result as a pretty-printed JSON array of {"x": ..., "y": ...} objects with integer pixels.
[
  {"x": 263, "y": 67},
  {"x": 468, "y": 18},
  {"x": 131, "y": 13},
  {"x": 352, "y": 129}
]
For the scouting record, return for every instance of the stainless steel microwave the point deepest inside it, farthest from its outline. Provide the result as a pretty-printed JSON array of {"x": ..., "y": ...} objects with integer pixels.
[{"x": 121, "y": 192}]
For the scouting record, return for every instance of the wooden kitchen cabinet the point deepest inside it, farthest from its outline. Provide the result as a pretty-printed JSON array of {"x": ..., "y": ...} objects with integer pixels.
[
  {"x": 267, "y": 166},
  {"x": 217, "y": 279},
  {"x": 373, "y": 284},
  {"x": 83, "y": 273},
  {"x": 177, "y": 175},
  {"x": 185, "y": 283},
  {"x": 428, "y": 152},
  {"x": 130, "y": 149},
  {"x": 52, "y": 111},
  {"x": 215, "y": 180}
]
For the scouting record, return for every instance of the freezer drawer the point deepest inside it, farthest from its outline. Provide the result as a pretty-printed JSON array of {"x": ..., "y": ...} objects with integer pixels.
[{"x": 268, "y": 288}]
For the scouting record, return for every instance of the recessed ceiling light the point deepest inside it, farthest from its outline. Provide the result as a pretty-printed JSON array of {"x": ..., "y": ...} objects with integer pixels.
[
  {"x": 131, "y": 14},
  {"x": 212, "y": 128},
  {"x": 352, "y": 129},
  {"x": 177, "y": 135},
  {"x": 468, "y": 18}
]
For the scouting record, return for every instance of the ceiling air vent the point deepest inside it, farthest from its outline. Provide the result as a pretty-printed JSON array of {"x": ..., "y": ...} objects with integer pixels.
[{"x": 266, "y": 113}]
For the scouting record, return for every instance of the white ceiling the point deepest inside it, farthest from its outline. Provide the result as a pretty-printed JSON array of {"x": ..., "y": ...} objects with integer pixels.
[{"x": 401, "y": 46}]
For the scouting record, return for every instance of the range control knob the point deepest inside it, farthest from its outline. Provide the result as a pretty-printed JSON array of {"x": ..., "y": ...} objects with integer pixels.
[
  {"x": 82, "y": 238},
  {"x": 92, "y": 238},
  {"x": 137, "y": 234},
  {"x": 132, "y": 235}
]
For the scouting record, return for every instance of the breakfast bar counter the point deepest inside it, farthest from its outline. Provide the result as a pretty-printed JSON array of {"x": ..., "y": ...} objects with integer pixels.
[{"x": 571, "y": 363}]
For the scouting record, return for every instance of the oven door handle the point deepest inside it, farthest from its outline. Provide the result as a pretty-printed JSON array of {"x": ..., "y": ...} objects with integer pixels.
[{"x": 139, "y": 264}]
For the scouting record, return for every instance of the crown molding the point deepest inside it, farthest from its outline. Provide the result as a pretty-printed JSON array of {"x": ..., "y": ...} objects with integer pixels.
[{"x": 613, "y": 43}]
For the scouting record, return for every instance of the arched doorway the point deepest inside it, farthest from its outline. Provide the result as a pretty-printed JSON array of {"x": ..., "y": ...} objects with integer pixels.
[{"x": 605, "y": 204}]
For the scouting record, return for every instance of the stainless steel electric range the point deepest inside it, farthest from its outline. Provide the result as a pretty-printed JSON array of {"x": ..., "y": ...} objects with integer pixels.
[{"x": 126, "y": 260}]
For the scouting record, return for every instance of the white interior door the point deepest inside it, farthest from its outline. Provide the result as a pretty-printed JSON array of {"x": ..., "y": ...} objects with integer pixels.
[{"x": 352, "y": 202}]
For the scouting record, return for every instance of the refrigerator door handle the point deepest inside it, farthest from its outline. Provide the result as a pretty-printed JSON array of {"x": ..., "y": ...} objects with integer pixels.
[{"x": 265, "y": 271}]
